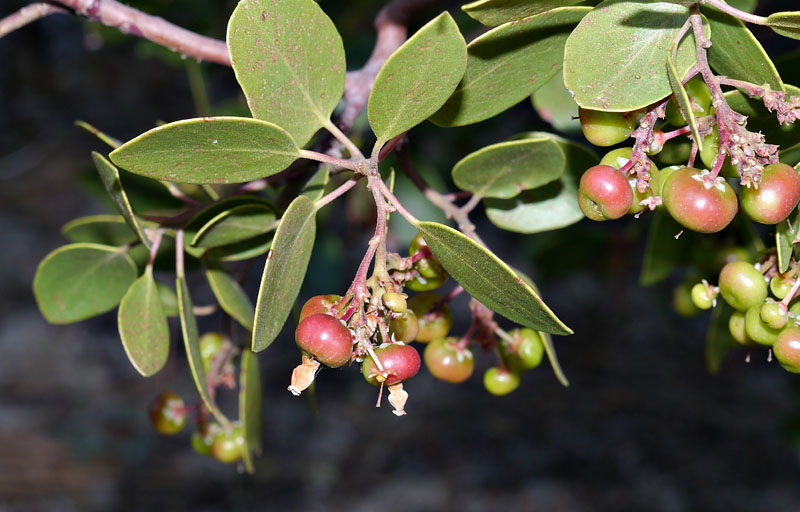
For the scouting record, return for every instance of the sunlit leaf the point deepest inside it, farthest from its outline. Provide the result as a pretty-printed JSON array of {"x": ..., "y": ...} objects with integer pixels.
[{"x": 495, "y": 12}]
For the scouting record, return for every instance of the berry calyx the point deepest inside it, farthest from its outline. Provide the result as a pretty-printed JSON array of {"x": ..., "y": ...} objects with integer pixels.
[
  {"x": 787, "y": 349},
  {"x": 167, "y": 413},
  {"x": 319, "y": 304},
  {"x": 447, "y": 361},
  {"x": 434, "y": 321},
  {"x": 228, "y": 445},
  {"x": 699, "y": 202},
  {"x": 500, "y": 381},
  {"x": 399, "y": 362},
  {"x": 326, "y": 338},
  {"x": 605, "y": 128},
  {"x": 775, "y": 198},
  {"x": 604, "y": 193},
  {"x": 742, "y": 285}
]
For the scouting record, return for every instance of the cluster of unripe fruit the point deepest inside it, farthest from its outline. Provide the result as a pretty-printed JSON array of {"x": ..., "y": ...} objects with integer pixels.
[{"x": 169, "y": 415}]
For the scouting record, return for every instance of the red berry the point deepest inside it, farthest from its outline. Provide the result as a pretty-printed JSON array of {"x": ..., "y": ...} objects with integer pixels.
[
  {"x": 787, "y": 349},
  {"x": 400, "y": 362},
  {"x": 447, "y": 361},
  {"x": 326, "y": 338},
  {"x": 319, "y": 304},
  {"x": 697, "y": 202},
  {"x": 776, "y": 196},
  {"x": 604, "y": 193}
]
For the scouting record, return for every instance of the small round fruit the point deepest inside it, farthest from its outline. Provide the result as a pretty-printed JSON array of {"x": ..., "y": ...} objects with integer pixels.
[
  {"x": 228, "y": 445},
  {"x": 775, "y": 198},
  {"x": 529, "y": 349},
  {"x": 210, "y": 345},
  {"x": 405, "y": 327},
  {"x": 431, "y": 274},
  {"x": 605, "y": 128},
  {"x": 395, "y": 302},
  {"x": 701, "y": 296},
  {"x": 710, "y": 153},
  {"x": 758, "y": 330},
  {"x": 736, "y": 326},
  {"x": 604, "y": 193},
  {"x": 787, "y": 349},
  {"x": 167, "y": 413},
  {"x": 203, "y": 438},
  {"x": 499, "y": 381},
  {"x": 774, "y": 315},
  {"x": 779, "y": 286},
  {"x": 696, "y": 203},
  {"x": 682, "y": 300},
  {"x": 319, "y": 304},
  {"x": 742, "y": 285},
  {"x": 447, "y": 361},
  {"x": 326, "y": 338},
  {"x": 432, "y": 324},
  {"x": 400, "y": 362},
  {"x": 617, "y": 158},
  {"x": 699, "y": 97}
]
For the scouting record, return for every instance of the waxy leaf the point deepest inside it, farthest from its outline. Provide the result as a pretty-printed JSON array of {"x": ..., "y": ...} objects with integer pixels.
[
  {"x": 552, "y": 206},
  {"x": 250, "y": 406},
  {"x": 236, "y": 224},
  {"x": 496, "y": 12},
  {"x": 143, "y": 327},
  {"x": 284, "y": 272},
  {"x": 209, "y": 150},
  {"x": 230, "y": 295},
  {"x": 785, "y": 235},
  {"x": 109, "y": 175},
  {"x": 615, "y": 59},
  {"x": 736, "y": 53},
  {"x": 786, "y": 24},
  {"x": 663, "y": 253},
  {"x": 289, "y": 61},
  {"x": 417, "y": 78},
  {"x": 507, "y": 64},
  {"x": 79, "y": 281},
  {"x": 489, "y": 280},
  {"x": 504, "y": 170},
  {"x": 718, "y": 337}
]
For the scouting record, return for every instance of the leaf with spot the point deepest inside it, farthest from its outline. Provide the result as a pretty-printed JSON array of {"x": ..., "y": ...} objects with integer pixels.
[
  {"x": 285, "y": 269},
  {"x": 79, "y": 281},
  {"x": 239, "y": 223},
  {"x": 504, "y": 170},
  {"x": 507, "y": 64},
  {"x": 615, "y": 59},
  {"x": 786, "y": 24},
  {"x": 109, "y": 175},
  {"x": 209, "y": 150},
  {"x": 142, "y": 325},
  {"x": 417, "y": 79},
  {"x": 490, "y": 281},
  {"x": 230, "y": 295},
  {"x": 496, "y": 12},
  {"x": 250, "y": 406},
  {"x": 289, "y": 61}
]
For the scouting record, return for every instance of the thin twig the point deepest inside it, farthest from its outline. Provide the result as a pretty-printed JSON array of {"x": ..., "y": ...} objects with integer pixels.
[
  {"x": 338, "y": 191},
  {"x": 736, "y": 13},
  {"x": 28, "y": 14}
]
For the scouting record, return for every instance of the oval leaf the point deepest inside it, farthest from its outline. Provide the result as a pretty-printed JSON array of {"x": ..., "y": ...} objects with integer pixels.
[
  {"x": 244, "y": 250},
  {"x": 100, "y": 229},
  {"x": 209, "y": 150},
  {"x": 615, "y": 60},
  {"x": 417, "y": 78},
  {"x": 489, "y": 280},
  {"x": 496, "y": 12},
  {"x": 230, "y": 295},
  {"x": 554, "y": 104},
  {"x": 109, "y": 175},
  {"x": 289, "y": 61},
  {"x": 506, "y": 169},
  {"x": 143, "y": 325},
  {"x": 250, "y": 406},
  {"x": 239, "y": 223},
  {"x": 315, "y": 187},
  {"x": 284, "y": 272},
  {"x": 507, "y": 64},
  {"x": 79, "y": 281},
  {"x": 786, "y": 24},
  {"x": 169, "y": 299}
]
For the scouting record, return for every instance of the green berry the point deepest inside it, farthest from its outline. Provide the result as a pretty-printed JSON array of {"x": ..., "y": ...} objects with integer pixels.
[
  {"x": 396, "y": 302},
  {"x": 682, "y": 301},
  {"x": 167, "y": 413},
  {"x": 500, "y": 381},
  {"x": 433, "y": 324},
  {"x": 742, "y": 285},
  {"x": 447, "y": 361},
  {"x": 779, "y": 286},
  {"x": 736, "y": 326},
  {"x": 702, "y": 297},
  {"x": 787, "y": 349},
  {"x": 757, "y": 329},
  {"x": 405, "y": 327},
  {"x": 529, "y": 348},
  {"x": 228, "y": 445},
  {"x": 699, "y": 98},
  {"x": 774, "y": 314},
  {"x": 210, "y": 345},
  {"x": 605, "y": 128}
]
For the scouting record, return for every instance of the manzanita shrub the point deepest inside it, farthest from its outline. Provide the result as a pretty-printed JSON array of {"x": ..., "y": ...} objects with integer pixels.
[{"x": 683, "y": 85}]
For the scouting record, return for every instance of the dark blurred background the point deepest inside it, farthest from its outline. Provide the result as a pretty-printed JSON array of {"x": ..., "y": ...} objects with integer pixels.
[{"x": 643, "y": 425}]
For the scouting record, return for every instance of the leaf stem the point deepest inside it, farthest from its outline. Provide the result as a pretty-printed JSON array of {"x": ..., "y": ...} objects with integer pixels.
[
  {"x": 353, "y": 165},
  {"x": 337, "y": 192},
  {"x": 736, "y": 13},
  {"x": 397, "y": 204},
  {"x": 344, "y": 139},
  {"x": 179, "y": 254}
]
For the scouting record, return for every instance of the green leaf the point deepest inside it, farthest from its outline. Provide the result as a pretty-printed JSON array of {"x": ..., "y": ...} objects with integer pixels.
[
  {"x": 489, "y": 280},
  {"x": 315, "y": 187},
  {"x": 743, "y": 5},
  {"x": 244, "y": 250},
  {"x": 791, "y": 155},
  {"x": 718, "y": 337},
  {"x": 736, "y": 53},
  {"x": 284, "y": 272},
  {"x": 168, "y": 298},
  {"x": 109, "y": 175},
  {"x": 555, "y": 105},
  {"x": 504, "y": 170},
  {"x": 230, "y": 295},
  {"x": 239, "y": 223},
  {"x": 663, "y": 253},
  {"x": 250, "y": 406},
  {"x": 507, "y": 64},
  {"x": 111, "y": 141},
  {"x": 209, "y": 150},
  {"x": 143, "y": 325},
  {"x": 615, "y": 60},
  {"x": 786, "y": 24},
  {"x": 785, "y": 234},
  {"x": 100, "y": 229},
  {"x": 79, "y": 281},
  {"x": 289, "y": 61},
  {"x": 552, "y": 206},
  {"x": 682, "y": 98},
  {"x": 496, "y": 12},
  {"x": 417, "y": 78},
  {"x": 761, "y": 120}
]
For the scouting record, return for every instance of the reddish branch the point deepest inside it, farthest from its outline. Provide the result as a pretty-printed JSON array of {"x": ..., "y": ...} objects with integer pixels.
[{"x": 27, "y": 14}]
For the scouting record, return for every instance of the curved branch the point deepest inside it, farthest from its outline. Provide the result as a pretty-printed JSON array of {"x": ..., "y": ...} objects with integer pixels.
[{"x": 28, "y": 14}]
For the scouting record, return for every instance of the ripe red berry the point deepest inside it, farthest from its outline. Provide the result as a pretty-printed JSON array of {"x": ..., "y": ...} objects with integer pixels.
[
  {"x": 604, "y": 193},
  {"x": 326, "y": 338},
  {"x": 698, "y": 202},
  {"x": 447, "y": 361},
  {"x": 776, "y": 196},
  {"x": 400, "y": 362},
  {"x": 319, "y": 304}
]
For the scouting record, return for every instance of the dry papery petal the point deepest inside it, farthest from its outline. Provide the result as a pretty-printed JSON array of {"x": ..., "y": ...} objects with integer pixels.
[{"x": 303, "y": 375}]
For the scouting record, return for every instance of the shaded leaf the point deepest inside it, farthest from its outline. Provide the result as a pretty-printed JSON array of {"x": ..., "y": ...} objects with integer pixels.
[
  {"x": 230, "y": 295},
  {"x": 244, "y": 250},
  {"x": 142, "y": 325},
  {"x": 785, "y": 234},
  {"x": 79, "y": 281},
  {"x": 507, "y": 64},
  {"x": 206, "y": 215},
  {"x": 791, "y": 155},
  {"x": 718, "y": 337},
  {"x": 284, "y": 271},
  {"x": 250, "y": 406},
  {"x": 100, "y": 229},
  {"x": 504, "y": 170},
  {"x": 111, "y": 141},
  {"x": 663, "y": 253},
  {"x": 169, "y": 299},
  {"x": 209, "y": 150},
  {"x": 109, "y": 175},
  {"x": 289, "y": 61},
  {"x": 555, "y": 105},
  {"x": 417, "y": 78},
  {"x": 496, "y": 12},
  {"x": 236, "y": 224},
  {"x": 786, "y": 24},
  {"x": 489, "y": 280},
  {"x": 682, "y": 98},
  {"x": 315, "y": 187}
]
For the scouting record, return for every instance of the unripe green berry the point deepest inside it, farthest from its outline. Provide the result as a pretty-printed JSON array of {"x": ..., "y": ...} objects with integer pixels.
[
  {"x": 736, "y": 326},
  {"x": 702, "y": 297},
  {"x": 396, "y": 302},
  {"x": 742, "y": 285},
  {"x": 500, "y": 381},
  {"x": 529, "y": 349},
  {"x": 757, "y": 329},
  {"x": 787, "y": 349},
  {"x": 405, "y": 327},
  {"x": 682, "y": 300},
  {"x": 774, "y": 314},
  {"x": 779, "y": 286}
]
